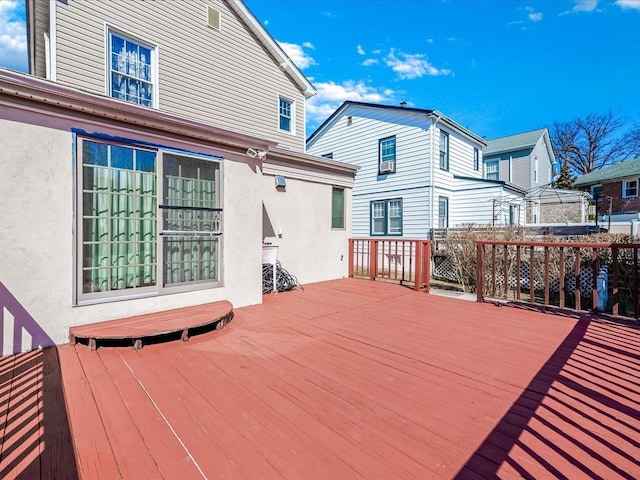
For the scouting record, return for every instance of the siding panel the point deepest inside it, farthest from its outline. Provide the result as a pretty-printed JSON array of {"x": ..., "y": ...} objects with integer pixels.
[{"x": 224, "y": 78}]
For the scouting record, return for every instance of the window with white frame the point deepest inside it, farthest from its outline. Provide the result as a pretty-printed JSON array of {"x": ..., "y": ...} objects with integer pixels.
[
  {"x": 149, "y": 221},
  {"x": 131, "y": 70},
  {"x": 285, "y": 115},
  {"x": 630, "y": 188},
  {"x": 492, "y": 170},
  {"x": 387, "y": 155},
  {"x": 386, "y": 217},
  {"x": 444, "y": 150},
  {"x": 443, "y": 212}
]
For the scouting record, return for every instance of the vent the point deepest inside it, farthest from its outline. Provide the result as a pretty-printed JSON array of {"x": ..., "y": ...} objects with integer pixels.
[
  {"x": 386, "y": 167},
  {"x": 213, "y": 18}
]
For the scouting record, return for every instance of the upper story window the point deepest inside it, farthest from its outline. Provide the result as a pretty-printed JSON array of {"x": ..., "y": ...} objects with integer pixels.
[
  {"x": 476, "y": 159},
  {"x": 327, "y": 155},
  {"x": 131, "y": 70},
  {"x": 630, "y": 188},
  {"x": 492, "y": 170},
  {"x": 444, "y": 150},
  {"x": 387, "y": 155},
  {"x": 286, "y": 115}
]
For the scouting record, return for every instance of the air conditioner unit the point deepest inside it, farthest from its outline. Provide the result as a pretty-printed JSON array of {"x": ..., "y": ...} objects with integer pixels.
[{"x": 386, "y": 167}]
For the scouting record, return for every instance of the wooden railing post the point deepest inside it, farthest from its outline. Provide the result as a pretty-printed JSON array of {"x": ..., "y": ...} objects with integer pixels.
[
  {"x": 373, "y": 259},
  {"x": 616, "y": 267},
  {"x": 479, "y": 272},
  {"x": 426, "y": 271},
  {"x": 418, "y": 272},
  {"x": 351, "y": 256}
]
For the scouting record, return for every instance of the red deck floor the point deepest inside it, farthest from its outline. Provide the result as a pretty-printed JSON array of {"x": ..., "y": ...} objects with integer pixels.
[{"x": 344, "y": 380}]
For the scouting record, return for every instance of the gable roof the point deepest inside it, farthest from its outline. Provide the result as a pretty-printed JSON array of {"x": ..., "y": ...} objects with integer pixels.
[
  {"x": 274, "y": 49},
  {"x": 512, "y": 143},
  {"x": 435, "y": 114},
  {"x": 627, "y": 168}
]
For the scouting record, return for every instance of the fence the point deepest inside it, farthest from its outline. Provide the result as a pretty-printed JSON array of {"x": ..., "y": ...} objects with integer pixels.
[
  {"x": 407, "y": 262},
  {"x": 601, "y": 277}
]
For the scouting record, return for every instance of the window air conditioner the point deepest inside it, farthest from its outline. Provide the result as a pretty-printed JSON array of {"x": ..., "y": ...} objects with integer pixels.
[{"x": 386, "y": 167}]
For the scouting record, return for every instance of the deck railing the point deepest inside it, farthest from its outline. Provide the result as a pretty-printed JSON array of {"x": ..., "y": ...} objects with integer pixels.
[
  {"x": 405, "y": 261},
  {"x": 598, "y": 277}
]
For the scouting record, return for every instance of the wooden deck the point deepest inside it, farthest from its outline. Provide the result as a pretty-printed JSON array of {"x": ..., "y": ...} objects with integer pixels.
[{"x": 344, "y": 380}]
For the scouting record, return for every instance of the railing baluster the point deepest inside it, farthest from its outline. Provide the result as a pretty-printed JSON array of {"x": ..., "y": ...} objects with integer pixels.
[
  {"x": 480, "y": 278},
  {"x": 493, "y": 271},
  {"x": 351, "y": 247},
  {"x": 532, "y": 290},
  {"x": 561, "y": 279},
  {"x": 576, "y": 292},
  {"x": 616, "y": 296},
  {"x": 594, "y": 279},
  {"x": 518, "y": 272},
  {"x": 546, "y": 275},
  {"x": 418, "y": 266},
  {"x": 505, "y": 269}
]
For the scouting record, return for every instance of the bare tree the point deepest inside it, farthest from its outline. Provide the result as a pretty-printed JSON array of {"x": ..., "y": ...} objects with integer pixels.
[{"x": 594, "y": 141}]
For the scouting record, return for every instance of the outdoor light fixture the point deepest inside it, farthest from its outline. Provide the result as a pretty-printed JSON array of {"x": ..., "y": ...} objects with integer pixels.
[{"x": 253, "y": 153}]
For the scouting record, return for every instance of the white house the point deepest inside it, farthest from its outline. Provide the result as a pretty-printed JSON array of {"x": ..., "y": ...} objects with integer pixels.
[{"x": 419, "y": 170}]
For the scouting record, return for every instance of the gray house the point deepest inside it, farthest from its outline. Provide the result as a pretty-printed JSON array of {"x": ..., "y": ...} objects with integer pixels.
[{"x": 527, "y": 160}]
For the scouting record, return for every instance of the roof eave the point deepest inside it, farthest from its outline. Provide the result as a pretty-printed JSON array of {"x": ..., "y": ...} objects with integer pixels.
[{"x": 285, "y": 63}]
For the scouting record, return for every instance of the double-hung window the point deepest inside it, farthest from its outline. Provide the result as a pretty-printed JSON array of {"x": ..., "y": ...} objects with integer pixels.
[
  {"x": 131, "y": 70},
  {"x": 387, "y": 155},
  {"x": 386, "y": 217},
  {"x": 630, "y": 188},
  {"x": 337, "y": 207},
  {"x": 149, "y": 221},
  {"x": 492, "y": 170},
  {"x": 443, "y": 212},
  {"x": 286, "y": 115},
  {"x": 444, "y": 150}
]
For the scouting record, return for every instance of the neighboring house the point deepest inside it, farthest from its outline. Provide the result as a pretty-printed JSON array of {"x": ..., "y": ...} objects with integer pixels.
[
  {"x": 114, "y": 207},
  {"x": 613, "y": 189},
  {"x": 419, "y": 170},
  {"x": 527, "y": 160}
]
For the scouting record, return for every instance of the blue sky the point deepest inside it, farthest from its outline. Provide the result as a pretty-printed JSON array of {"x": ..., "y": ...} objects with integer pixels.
[{"x": 498, "y": 67}]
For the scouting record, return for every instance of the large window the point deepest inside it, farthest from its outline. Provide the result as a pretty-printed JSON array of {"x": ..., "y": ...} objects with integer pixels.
[
  {"x": 149, "y": 220},
  {"x": 492, "y": 170},
  {"x": 386, "y": 217},
  {"x": 286, "y": 115},
  {"x": 131, "y": 70},
  {"x": 630, "y": 188},
  {"x": 337, "y": 207},
  {"x": 387, "y": 155},
  {"x": 444, "y": 150},
  {"x": 443, "y": 212}
]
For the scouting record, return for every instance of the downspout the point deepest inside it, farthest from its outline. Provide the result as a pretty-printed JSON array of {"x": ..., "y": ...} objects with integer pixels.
[
  {"x": 434, "y": 119},
  {"x": 52, "y": 67}
]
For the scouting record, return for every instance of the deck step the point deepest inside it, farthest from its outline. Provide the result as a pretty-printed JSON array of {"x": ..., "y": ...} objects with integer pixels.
[{"x": 157, "y": 327}]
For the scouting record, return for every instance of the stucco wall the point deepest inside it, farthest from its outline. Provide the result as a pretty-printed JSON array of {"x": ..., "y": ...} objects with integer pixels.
[
  {"x": 298, "y": 220},
  {"x": 37, "y": 232}
]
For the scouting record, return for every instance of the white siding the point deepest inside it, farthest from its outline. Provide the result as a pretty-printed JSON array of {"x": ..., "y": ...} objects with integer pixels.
[
  {"x": 223, "y": 78},
  {"x": 417, "y": 155},
  {"x": 479, "y": 202}
]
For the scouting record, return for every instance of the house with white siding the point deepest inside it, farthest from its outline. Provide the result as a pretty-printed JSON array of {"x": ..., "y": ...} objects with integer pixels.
[
  {"x": 153, "y": 149},
  {"x": 419, "y": 171}
]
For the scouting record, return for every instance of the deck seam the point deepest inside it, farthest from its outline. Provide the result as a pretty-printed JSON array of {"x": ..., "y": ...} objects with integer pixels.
[{"x": 166, "y": 421}]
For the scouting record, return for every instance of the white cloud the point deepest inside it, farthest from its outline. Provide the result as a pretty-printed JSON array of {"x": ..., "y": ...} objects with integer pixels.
[
  {"x": 535, "y": 17},
  {"x": 308, "y": 45},
  {"x": 331, "y": 95},
  {"x": 360, "y": 50},
  {"x": 625, "y": 4},
  {"x": 297, "y": 54},
  {"x": 13, "y": 35},
  {"x": 411, "y": 66},
  {"x": 370, "y": 61},
  {"x": 585, "y": 5}
]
